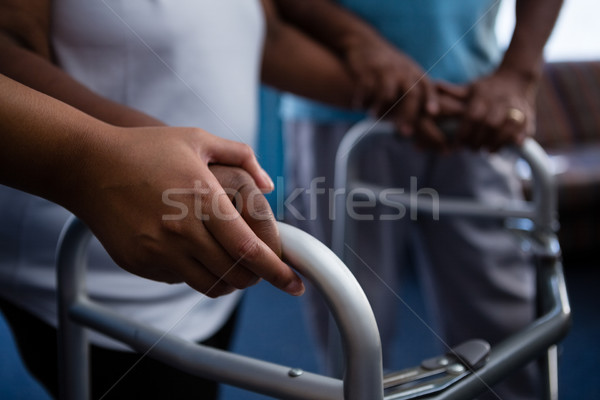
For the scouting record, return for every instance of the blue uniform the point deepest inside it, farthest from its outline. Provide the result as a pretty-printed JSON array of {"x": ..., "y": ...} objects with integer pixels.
[{"x": 451, "y": 40}]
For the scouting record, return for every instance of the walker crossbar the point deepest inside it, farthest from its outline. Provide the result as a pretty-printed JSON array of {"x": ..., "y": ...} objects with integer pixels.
[{"x": 364, "y": 376}]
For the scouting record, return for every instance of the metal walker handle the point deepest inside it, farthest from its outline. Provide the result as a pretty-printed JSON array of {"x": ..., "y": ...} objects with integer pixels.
[
  {"x": 347, "y": 301},
  {"x": 542, "y": 334},
  {"x": 541, "y": 210}
]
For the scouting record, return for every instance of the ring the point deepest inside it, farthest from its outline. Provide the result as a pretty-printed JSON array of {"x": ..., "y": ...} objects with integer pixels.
[{"x": 515, "y": 115}]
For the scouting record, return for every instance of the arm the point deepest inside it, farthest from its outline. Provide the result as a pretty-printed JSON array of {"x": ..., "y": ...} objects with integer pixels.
[
  {"x": 309, "y": 70},
  {"x": 389, "y": 82},
  {"x": 114, "y": 179},
  {"x": 24, "y": 43},
  {"x": 501, "y": 107},
  {"x": 27, "y": 58}
]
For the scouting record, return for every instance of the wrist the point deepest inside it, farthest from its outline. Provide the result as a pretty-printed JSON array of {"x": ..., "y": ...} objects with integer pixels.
[
  {"x": 358, "y": 38},
  {"x": 528, "y": 75},
  {"x": 80, "y": 170}
]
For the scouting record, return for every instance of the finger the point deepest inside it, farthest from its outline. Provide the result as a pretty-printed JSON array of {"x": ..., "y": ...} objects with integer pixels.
[
  {"x": 257, "y": 213},
  {"x": 197, "y": 245},
  {"x": 160, "y": 273},
  {"x": 432, "y": 101},
  {"x": 250, "y": 202},
  {"x": 385, "y": 94},
  {"x": 510, "y": 132},
  {"x": 493, "y": 128},
  {"x": 366, "y": 88},
  {"x": 243, "y": 245},
  {"x": 430, "y": 136},
  {"x": 409, "y": 109},
  {"x": 471, "y": 127},
  {"x": 199, "y": 278},
  {"x": 229, "y": 152},
  {"x": 459, "y": 92},
  {"x": 216, "y": 260},
  {"x": 451, "y": 107}
]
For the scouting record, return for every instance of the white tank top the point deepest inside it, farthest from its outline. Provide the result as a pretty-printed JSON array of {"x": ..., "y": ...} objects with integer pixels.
[{"x": 186, "y": 62}]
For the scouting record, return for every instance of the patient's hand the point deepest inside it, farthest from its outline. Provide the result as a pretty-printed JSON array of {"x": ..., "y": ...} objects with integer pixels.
[
  {"x": 500, "y": 111},
  {"x": 437, "y": 131},
  {"x": 162, "y": 213}
]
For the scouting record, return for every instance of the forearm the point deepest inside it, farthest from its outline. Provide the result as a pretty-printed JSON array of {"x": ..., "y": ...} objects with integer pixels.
[
  {"x": 329, "y": 23},
  {"x": 38, "y": 72},
  {"x": 116, "y": 179},
  {"x": 27, "y": 58},
  {"x": 45, "y": 144},
  {"x": 310, "y": 70},
  {"x": 535, "y": 20}
]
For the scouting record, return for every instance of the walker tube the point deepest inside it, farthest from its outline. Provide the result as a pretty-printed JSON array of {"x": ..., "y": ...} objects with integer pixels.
[
  {"x": 364, "y": 377},
  {"x": 541, "y": 210},
  {"x": 348, "y": 303},
  {"x": 524, "y": 346},
  {"x": 547, "y": 330},
  {"x": 72, "y": 340}
]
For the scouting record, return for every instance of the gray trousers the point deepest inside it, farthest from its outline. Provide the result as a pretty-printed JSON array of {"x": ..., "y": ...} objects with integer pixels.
[{"x": 478, "y": 281}]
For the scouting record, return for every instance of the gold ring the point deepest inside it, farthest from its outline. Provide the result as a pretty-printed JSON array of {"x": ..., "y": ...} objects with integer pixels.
[{"x": 515, "y": 115}]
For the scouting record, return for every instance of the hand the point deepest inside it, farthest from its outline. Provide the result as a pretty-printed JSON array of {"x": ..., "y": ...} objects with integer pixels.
[
  {"x": 438, "y": 131},
  {"x": 162, "y": 213},
  {"x": 500, "y": 111},
  {"x": 250, "y": 202},
  {"x": 390, "y": 83}
]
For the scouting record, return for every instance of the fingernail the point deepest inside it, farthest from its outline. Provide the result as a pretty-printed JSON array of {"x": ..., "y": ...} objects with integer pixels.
[
  {"x": 295, "y": 288},
  {"x": 269, "y": 181}
]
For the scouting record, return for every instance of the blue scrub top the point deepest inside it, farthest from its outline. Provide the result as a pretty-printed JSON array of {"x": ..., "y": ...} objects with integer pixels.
[{"x": 453, "y": 40}]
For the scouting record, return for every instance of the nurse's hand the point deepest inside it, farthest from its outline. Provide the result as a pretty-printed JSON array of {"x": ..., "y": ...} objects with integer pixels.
[
  {"x": 163, "y": 213},
  {"x": 148, "y": 194},
  {"x": 390, "y": 83}
]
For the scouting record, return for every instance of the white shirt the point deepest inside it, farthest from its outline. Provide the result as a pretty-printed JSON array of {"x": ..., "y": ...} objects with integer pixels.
[{"x": 185, "y": 62}]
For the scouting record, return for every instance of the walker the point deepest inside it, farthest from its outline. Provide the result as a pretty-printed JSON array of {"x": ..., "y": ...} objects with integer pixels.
[{"x": 462, "y": 373}]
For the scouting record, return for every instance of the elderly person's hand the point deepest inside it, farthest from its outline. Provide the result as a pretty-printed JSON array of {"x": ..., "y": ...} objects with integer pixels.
[
  {"x": 437, "y": 131},
  {"x": 500, "y": 110}
]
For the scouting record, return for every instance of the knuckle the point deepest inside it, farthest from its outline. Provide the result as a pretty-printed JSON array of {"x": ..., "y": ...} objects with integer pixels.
[
  {"x": 234, "y": 178},
  {"x": 173, "y": 227},
  {"x": 246, "y": 151},
  {"x": 250, "y": 249},
  {"x": 258, "y": 208},
  {"x": 242, "y": 179}
]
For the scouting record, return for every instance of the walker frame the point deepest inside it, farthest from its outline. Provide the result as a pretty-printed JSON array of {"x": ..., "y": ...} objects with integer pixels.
[{"x": 363, "y": 378}]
